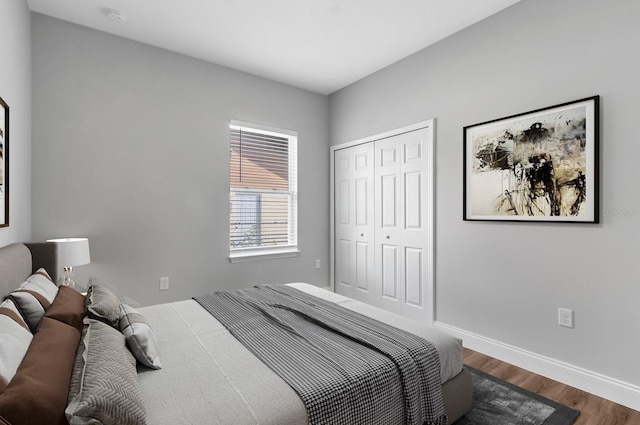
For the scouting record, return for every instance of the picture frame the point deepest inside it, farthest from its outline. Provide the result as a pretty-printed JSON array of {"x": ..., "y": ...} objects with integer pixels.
[
  {"x": 540, "y": 166},
  {"x": 4, "y": 163}
]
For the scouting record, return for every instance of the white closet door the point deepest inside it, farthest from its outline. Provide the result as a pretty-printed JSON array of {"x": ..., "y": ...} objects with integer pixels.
[
  {"x": 354, "y": 222},
  {"x": 402, "y": 231},
  {"x": 388, "y": 236}
]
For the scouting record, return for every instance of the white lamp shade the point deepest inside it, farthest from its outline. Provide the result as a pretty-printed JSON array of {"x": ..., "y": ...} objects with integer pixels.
[{"x": 72, "y": 251}]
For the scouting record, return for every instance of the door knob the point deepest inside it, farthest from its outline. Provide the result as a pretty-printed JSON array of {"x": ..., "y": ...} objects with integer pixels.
[
  {"x": 388, "y": 237},
  {"x": 361, "y": 234}
]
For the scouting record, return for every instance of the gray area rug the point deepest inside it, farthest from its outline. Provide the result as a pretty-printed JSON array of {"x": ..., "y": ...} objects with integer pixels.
[{"x": 497, "y": 402}]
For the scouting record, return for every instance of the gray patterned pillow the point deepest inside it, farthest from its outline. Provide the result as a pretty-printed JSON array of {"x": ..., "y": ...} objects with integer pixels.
[
  {"x": 140, "y": 337},
  {"x": 102, "y": 304},
  {"x": 104, "y": 383},
  {"x": 33, "y": 297}
]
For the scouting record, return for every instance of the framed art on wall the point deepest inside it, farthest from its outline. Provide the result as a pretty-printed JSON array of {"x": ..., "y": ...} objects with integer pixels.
[
  {"x": 535, "y": 166},
  {"x": 4, "y": 163}
]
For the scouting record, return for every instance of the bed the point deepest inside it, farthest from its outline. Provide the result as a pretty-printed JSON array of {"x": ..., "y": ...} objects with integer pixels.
[{"x": 206, "y": 376}]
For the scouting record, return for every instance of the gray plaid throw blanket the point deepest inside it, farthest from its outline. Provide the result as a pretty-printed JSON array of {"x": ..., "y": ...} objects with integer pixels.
[{"x": 346, "y": 367}]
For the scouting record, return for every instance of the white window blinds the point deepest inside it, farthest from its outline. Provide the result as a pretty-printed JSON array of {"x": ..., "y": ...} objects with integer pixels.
[{"x": 263, "y": 189}]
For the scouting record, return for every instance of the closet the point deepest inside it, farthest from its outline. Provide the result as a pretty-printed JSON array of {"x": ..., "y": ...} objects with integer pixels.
[{"x": 383, "y": 221}]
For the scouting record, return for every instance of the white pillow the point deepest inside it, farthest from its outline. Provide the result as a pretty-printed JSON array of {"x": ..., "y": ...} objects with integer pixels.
[
  {"x": 42, "y": 283},
  {"x": 15, "y": 339},
  {"x": 140, "y": 337},
  {"x": 33, "y": 297}
]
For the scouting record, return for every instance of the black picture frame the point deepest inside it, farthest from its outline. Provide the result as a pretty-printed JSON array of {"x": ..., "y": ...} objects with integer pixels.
[
  {"x": 541, "y": 165},
  {"x": 4, "y": 164}
]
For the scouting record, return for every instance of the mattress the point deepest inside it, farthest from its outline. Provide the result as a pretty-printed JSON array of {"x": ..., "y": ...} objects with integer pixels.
[{"x": 208, "y": 377}]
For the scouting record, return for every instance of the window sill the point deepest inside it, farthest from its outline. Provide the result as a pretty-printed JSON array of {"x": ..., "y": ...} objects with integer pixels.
[{"x": 263, "y": 254}]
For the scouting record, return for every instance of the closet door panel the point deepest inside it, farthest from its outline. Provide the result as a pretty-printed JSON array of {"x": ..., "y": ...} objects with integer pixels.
[
  {"x": 413, "y": 276},
  {"x": 413, "y": 201},
  {"x": 388, "y": 234},
  {"x": 343, "y": 200},
  {"x": 362, "y": 202},
  {"x": 343, "y": 267},
  {"x": 401, "y": 166},
  {"x": 389, "y": 271},
  {"x": 388, "y": 201},
  {"x": 416, "y": 234},
  {"x": 345, "y": 222},
  {"x": 413, "y": 239},
  {"x": 363, "y": 262},
  {"x": 353, "y": 195}
]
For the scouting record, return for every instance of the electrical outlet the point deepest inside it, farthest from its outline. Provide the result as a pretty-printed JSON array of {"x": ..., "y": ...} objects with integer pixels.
[
  {"x": 164, "y": 283},
  {"x": 565, "y": 317},
  {"x": 317, "y": 264}
]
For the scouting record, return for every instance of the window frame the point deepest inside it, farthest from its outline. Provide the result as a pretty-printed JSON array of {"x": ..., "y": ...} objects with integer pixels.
[{"x": 242, "y": 254}]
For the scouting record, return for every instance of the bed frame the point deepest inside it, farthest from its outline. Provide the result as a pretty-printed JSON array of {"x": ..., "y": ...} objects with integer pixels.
[{"x": 19, "y": 260}]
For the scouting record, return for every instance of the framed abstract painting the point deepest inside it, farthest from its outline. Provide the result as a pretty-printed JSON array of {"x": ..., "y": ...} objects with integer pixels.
[
  {"x": 540, "y": 165},
  {"x": 4, "y": 163}
]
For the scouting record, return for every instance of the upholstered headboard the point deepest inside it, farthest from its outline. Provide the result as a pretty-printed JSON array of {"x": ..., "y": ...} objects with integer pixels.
[{"x": 19, "y": 260}]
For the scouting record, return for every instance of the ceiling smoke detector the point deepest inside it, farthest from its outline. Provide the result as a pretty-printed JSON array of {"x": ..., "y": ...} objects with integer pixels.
[{"x": 116, "y": 16}]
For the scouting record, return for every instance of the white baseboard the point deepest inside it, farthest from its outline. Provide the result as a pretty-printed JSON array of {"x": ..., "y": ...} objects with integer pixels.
[{"x": 603, "y": 386}]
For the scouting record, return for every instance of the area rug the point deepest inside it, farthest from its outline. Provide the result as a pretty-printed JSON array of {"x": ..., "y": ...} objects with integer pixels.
[{"x": 497, "y": 402}]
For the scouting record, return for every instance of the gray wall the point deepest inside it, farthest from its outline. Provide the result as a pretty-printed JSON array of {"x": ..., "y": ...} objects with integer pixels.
[
  {"x": 505, "y": 281},
  {"x": 130, "y": 149},
  {"x": 15, "y": 89}
]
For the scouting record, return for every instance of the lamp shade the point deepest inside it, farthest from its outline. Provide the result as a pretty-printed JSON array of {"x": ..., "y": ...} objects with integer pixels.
[{"x": 72, "y": 251}]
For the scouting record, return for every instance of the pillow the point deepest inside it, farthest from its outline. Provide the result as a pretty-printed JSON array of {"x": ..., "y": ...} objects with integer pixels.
[
  {"x": 15, "y": 338},
  {"x": 42, "y": 283},
  {"x": 68, "y": 307},
  {"x": 102, "y": 304},
  {"x": 31, "y": 306},
  {"x": 104, "y": 385},
  {"x": 139, "y": 336},
  {"x": 9, "y": 309},
  {"x": 33, "y": 297},
  {"x": 37, "y": 394}
]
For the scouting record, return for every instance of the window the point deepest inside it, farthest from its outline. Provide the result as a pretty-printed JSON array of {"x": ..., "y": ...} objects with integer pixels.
[
  {"x": 263, "y": 192},
  {"x": 246, "y": 220}
]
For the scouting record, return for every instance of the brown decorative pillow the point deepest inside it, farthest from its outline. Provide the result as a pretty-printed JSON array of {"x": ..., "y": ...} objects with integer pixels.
[
  {"x": 37, "y": 394},
  {"x": 68, "y": 307}
]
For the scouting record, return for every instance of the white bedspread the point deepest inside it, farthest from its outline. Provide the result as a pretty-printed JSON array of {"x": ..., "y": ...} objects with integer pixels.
[{"x": 208, "y": 377}]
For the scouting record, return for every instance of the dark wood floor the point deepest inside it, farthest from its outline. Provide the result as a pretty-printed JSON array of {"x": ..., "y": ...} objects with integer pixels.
[{"x": 593, "y": 410}]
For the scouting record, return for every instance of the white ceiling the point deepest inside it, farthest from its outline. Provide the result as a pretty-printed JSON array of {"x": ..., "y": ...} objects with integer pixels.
[{"x": 318, "y": 45}]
